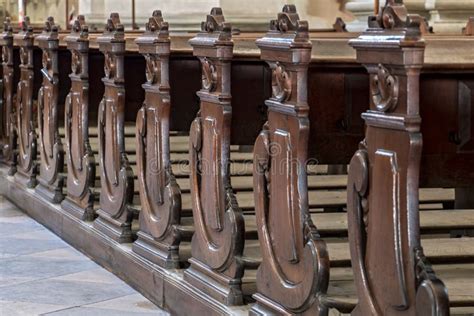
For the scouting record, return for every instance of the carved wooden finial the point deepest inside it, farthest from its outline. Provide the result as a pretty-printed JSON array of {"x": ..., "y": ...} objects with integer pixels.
[
  {"x": 156, "y": 24},
  {"x": 288, "y": 21},
  {"x": 469, "y": 28},
  {"x": 80, "y": 28},
  {"x": 215, "y": 22},
  {"x": 50, "y": 26},
  {"x": 26, "y": 25},
  {"x": 113, "y": 27},
  {"x": 7, "y": 26},
  {"x": 425, "y": 27},
  {"x": 339, "y": 25},
  {"x": 394, "y": 16}
]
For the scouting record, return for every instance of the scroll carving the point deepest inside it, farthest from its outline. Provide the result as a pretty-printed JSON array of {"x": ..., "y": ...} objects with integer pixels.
[
  {"x": 281, "y": 83},
  {"x": 294, "y": 274},
  {"x": 50, "y": 145},
  {"x": 27, "y": 150},
  {"x": 9, "y": 133},
  {"x": 80, "y": 159},
  {"x": 217, "y": 245},
  {"x": 160, "y": 196},
  {"x": 390, "y": 272},
  {"x": 116, "y": 178},
  {"x": 384, "y": 89}
]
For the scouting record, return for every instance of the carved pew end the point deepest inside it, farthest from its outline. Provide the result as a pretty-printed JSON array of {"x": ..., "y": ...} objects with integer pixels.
[
  {"x": 50, "y": 178},
  {"x": 27, "y": 168},
  {"x": 116, "y": 189}
]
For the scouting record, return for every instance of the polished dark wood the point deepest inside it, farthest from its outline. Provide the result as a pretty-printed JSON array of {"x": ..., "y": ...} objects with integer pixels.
[
  {"x": 392, "y": 275},
  {"x": 469, "y": 28},
  {"x": 27, "y": 168},
  {"x": 7, "y": 120},
  {"x": 315, "y": 98},
  {"x": 160, "y": 196},
  {"x": 116, "y": 176},
  {"x": 51, "y": 178},
  {"x": 294, "y": 272},
  {"x": 80, "y": 159},
  {"x": 218, "y": 242}
]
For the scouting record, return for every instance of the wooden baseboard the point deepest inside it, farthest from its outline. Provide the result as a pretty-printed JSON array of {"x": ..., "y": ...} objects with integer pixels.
[{"x": 165, "y": 288}]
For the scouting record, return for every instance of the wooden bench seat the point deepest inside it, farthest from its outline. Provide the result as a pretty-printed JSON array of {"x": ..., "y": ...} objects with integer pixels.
[
  {"x": 327, "y": 198},
  {"x": 456, "y": 277}
]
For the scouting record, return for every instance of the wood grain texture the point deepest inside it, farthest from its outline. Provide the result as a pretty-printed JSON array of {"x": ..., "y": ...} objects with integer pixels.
[
  {"x": 25, "y": 113},
  {"x": 51, "y": 151},
  {"x": 392, "y": 275},
  {"x": 116, "y": 190},
  {"x": 160, "y": 196}
]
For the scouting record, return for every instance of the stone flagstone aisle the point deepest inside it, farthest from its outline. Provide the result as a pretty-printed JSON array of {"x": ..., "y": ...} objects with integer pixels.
[{"x": 42, "y": 275}]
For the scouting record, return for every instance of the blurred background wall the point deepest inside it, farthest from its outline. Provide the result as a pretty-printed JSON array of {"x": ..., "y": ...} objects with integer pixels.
[{"x": 446, "y": 16}]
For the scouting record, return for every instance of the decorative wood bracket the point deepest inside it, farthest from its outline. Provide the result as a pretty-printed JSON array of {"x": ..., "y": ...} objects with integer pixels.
[
  {"x": 8, "y": 130},
  {"x": 116, "y": 178},
  {"x": 27, "y": 150},
  {"x": 218, "y": 242},
  {"x": 469, "y": 28},
  {"x": 51, "y": 151},
  {"x": 383, "y": 179},
  {"x": 294, "y": 272},
  {"x": 160, "y": 196},
  {"x": 80, "y": 159}
]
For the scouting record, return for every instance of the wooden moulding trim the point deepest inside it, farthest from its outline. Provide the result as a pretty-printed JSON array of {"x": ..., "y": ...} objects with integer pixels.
[
  {"x": 163, "y": 287},
  {"x": 328, "y": 47}
]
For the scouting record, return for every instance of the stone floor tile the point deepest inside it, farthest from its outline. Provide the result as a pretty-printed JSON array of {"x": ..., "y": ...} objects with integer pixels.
[
  {"x": 26, "y": 266},
  {"x": 66, "y": 253},
  {"x": 132, "y": 303},
  {"x": 18, "y": 246},
  {"x": 9, "y": 211},
  {"x": 11, "y": 280},
  {"x": 8, "y": 228},
  {"x": 89, "y": 311},
  {"x": 99, "y": 275},
  {"x": 13, "y": 308},
  {"x": 42, "y": 234},
  {"x": 42, "y": 275},
  {"x": 69, "y": 293}
]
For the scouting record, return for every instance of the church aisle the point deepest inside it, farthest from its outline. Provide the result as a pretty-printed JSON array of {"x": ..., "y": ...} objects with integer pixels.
[{"x": 42, "y": 275}]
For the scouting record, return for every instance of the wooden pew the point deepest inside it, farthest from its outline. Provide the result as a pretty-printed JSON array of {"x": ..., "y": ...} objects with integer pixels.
[
  {"x": 216, "y": 266},
  {"x": 341, "y": 292},
  {"x": 294, "y": 273},
  {"x": 27, "y": 168},
  {"x": 160, "y": 231},
  {"x": 81, "y": 164},
  {"x": 391, "y": 271},
  {"x": 116, "y": 191},
  {"x": 8, "y": 130},
  {"x": 51, "y": 166}
]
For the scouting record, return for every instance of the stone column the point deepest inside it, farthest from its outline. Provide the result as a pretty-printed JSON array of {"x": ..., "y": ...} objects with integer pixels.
[
  {"x": 94, "y": 12},
  {"x": 449, "y": 16},
  {"x": 185, "y": 15}
]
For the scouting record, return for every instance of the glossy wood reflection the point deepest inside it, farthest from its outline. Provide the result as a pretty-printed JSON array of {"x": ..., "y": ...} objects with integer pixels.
[
  {"x": 116, "y": 176},
  {"x": 51, "y": 180},
  {"x": 80, "y": 159},
  {"x": 25, "y": 113}
]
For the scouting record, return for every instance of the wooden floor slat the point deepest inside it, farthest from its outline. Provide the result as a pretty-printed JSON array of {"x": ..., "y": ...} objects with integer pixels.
[
  {"x": 458, "y": 278},
  {"x": 324, "y": 198},
  {"x": 336, "y": 223},
  {"x": 438, "y": 250}
]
